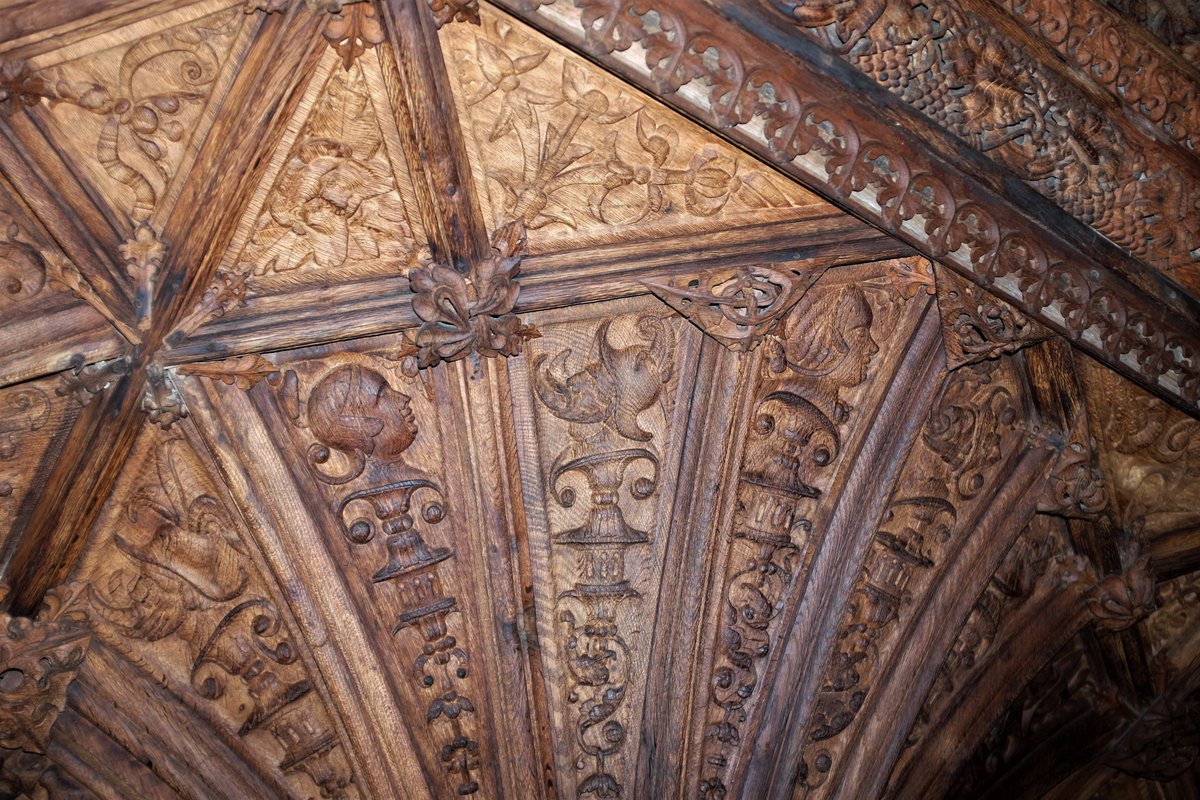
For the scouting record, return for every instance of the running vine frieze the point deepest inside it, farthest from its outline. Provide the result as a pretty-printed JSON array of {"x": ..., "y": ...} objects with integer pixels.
[{"x": 779, "y": 106}]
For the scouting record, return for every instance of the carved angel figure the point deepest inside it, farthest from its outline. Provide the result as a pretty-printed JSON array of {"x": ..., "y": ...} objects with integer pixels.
[{"x": 615, "y": 388}]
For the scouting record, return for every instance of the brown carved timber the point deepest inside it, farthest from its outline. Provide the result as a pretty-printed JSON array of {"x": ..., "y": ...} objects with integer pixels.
[
  {"x": 74, "y": 492},
  {"x": 419, "y": 88},
  {"x": 38, "y": 659},
  {"x": 972, "y": 217}
]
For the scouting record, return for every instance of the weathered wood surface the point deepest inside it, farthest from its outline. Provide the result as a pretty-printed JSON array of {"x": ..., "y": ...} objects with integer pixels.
[{"x": 457, "y": 403}]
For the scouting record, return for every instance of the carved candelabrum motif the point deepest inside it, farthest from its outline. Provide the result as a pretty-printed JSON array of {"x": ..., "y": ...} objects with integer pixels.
[
  {"x": 568, "y": 151},
  {"x": 967, "y": 434},
  {"x": 608, "y": 402},
  {"x": 38, "y": 659},
  {"x": 177, "y": 591},
  {"x": 140, "y": 103},
  {"x": 810, "y": 381},
  {"x": 363, "y": 428}
]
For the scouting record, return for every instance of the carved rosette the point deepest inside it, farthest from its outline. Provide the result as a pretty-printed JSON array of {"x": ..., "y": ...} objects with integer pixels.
[
  {"x": 358, "y": 421},
  {"x": 38, "y": 660},
  {"x": 609, "y": 450}
]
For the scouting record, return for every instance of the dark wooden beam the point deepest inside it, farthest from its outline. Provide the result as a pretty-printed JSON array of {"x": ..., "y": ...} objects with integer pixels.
[
  {"x": 837, "y": 132},
  {"x": 419, "y": 88},
  {"x": 262, "y": 99},
  {"x": 74, "y": 493},
  {"x": 233, "y": 160}
]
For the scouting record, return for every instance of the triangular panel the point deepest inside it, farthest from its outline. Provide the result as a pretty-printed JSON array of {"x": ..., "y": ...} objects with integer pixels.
[
  {"x": 581, "y": 157},
  {"x": 338, "y": 203},
  {"x": 129, "y": 115}
]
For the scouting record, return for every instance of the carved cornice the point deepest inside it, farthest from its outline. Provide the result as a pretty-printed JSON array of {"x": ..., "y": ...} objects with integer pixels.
[
  {"x": 858, "y": 159},
  {"x": 957, "y": 68},
  {"x": 38, "y": 659},
  {"x": 1110, "y": 51}
]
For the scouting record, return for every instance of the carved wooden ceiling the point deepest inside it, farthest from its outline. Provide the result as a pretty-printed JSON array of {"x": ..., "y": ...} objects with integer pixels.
[{"x": 600, "y": 398}]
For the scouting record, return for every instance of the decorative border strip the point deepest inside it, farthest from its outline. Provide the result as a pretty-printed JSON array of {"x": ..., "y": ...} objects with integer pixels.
[{"x": 795, "y": 117}]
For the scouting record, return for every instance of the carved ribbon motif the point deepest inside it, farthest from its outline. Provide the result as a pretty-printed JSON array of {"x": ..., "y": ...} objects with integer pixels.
[{"x": 145, "y": 121}]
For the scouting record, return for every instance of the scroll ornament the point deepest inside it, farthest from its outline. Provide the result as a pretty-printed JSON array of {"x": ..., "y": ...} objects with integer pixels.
[{"x": 38, "y": 660}]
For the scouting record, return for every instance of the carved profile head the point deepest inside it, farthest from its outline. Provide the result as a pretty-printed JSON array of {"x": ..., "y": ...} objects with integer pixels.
[
  {"x": 353, "y": 409},
  {"x": 830, "y": 340}
]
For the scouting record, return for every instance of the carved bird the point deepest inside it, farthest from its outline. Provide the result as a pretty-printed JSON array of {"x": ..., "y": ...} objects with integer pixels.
[{"x": 614, "y": 389}]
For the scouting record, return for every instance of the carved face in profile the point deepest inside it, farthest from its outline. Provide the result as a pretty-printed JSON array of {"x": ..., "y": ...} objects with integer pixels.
[
  {"x": 354, "y": 409},
  {"x": 831, "y": 338}
]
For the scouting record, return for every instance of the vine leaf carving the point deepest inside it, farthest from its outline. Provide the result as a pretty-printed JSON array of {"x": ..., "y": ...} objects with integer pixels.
[
  {"x": 466, "y": 315},
  {"x": 38, "y": 660}
]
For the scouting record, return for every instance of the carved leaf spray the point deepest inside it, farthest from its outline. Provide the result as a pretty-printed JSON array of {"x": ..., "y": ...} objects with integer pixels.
[{"x": 469, "y": 314}]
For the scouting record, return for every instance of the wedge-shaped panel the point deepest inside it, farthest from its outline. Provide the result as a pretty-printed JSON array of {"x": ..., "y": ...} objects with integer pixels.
[
  {"x": 128, "y": 109},
  {"x": 179, "y": 592},
  {"x": 601, "y": 405},
  {"x": 581, "y": 157},
  {"x": 33, "y": 420}
]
